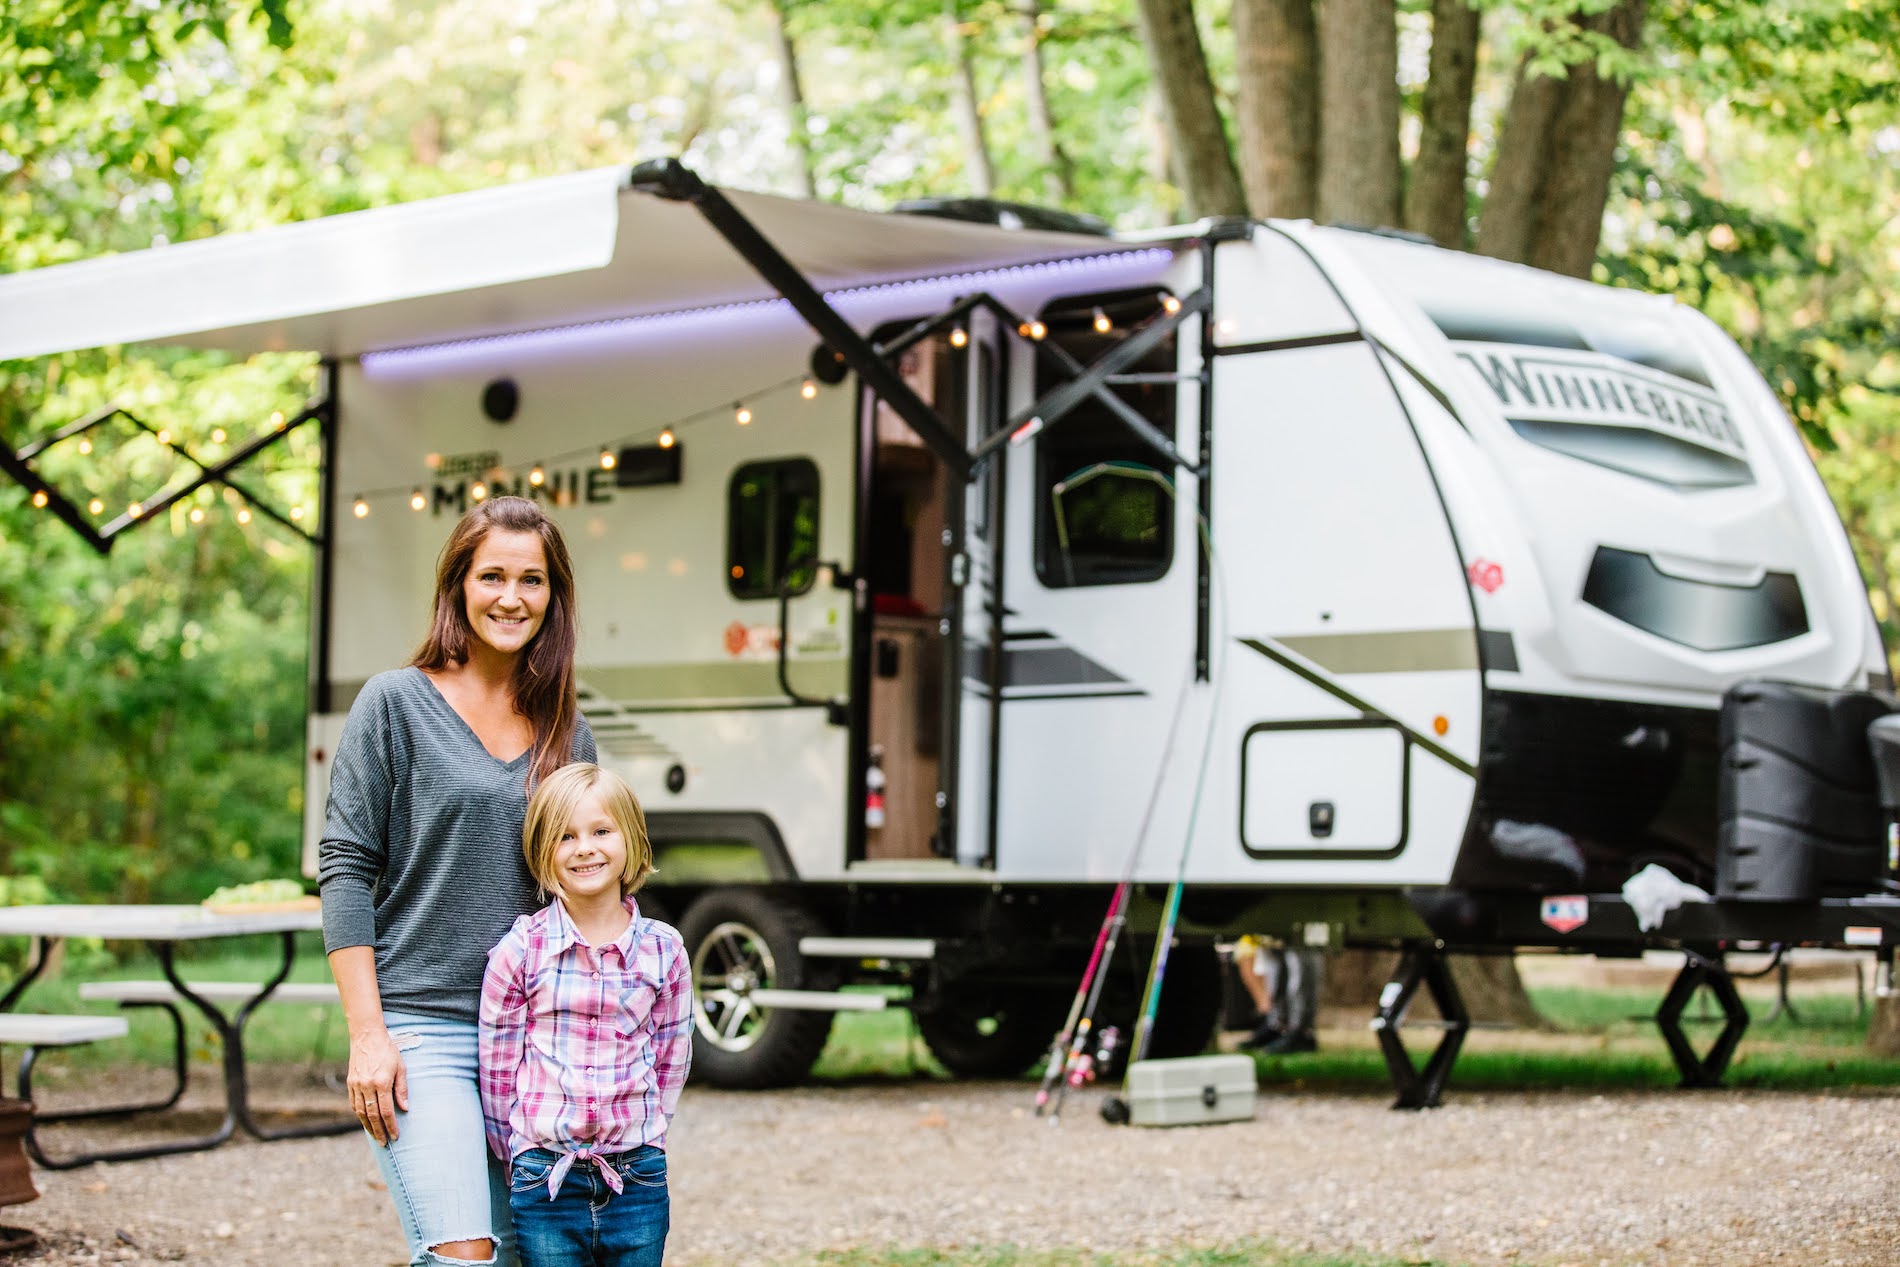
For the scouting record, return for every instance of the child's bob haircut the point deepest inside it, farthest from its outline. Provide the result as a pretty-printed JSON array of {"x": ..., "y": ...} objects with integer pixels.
[{"x": 552, "y": 807}]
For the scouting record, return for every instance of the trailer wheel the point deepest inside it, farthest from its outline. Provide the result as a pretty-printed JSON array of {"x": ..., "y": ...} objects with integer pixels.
[
  {"x": 1190, "y": 1002},
  {"x": 995, "y": 1032},
  {"x": 741, "y": 940}
]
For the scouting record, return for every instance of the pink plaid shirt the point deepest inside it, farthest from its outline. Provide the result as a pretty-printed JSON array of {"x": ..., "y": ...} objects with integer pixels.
[{"x": 583, "y": 1050}]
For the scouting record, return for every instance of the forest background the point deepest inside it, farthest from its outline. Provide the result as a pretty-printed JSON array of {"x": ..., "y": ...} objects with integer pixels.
[{"x": 1745, "y": 157}]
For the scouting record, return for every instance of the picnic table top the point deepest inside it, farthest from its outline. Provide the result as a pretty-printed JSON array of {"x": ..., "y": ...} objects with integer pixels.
[{"x": 149, "y": 923}]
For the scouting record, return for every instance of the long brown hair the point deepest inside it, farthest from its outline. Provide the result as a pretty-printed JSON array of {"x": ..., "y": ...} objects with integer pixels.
[{"x": 543, "y": 679}]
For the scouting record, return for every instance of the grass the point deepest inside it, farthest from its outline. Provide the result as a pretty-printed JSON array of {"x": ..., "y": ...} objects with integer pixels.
[
  {"x": 1246, "y": 1254},
  {"x": 1603, "y": 1039}
]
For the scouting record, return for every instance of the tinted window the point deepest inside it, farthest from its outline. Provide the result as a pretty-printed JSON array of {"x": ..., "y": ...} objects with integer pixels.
[
  {"x": 772, "y": 528},
  {"x": 1103, "y": 514}
]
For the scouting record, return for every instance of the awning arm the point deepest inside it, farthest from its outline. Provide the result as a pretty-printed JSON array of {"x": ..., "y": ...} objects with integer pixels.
[
  {"x": 100, "y": 539},
  {"x": 669, "y": 178},
  {"x": 1061, "y": 399}
]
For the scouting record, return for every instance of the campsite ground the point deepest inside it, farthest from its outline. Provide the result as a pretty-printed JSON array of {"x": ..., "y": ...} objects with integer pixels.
[{"x": 1623, "y": 1176}]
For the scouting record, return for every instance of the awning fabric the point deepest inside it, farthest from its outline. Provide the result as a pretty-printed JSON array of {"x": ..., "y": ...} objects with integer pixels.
[{"x": 528, "y": 256}]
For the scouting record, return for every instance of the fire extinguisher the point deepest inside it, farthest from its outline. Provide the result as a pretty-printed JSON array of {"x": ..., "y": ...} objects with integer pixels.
[{"x": 874, "y": 789}]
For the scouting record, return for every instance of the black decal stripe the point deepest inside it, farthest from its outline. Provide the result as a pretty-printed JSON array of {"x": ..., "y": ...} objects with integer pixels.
[
  {"x": 1286, "y": 661},
  {"x": 1287, "y": 345},
  {"x": 1498, "y": 650}
]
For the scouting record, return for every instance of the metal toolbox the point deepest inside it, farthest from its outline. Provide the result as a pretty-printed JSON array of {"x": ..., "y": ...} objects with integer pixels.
[{"x": 1191, "y": 1090}]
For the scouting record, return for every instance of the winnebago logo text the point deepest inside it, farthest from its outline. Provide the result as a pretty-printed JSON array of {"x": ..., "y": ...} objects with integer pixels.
[{"x": 1589, "y": 387}]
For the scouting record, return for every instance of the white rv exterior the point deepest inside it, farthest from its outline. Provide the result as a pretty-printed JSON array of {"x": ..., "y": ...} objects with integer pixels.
[{"x": 1458, "y": 512}]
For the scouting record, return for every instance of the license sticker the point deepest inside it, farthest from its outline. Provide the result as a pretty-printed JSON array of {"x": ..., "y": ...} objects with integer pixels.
[
  {"x": 1565, "y": 914},
  {"x": 1861, "y": 936}
]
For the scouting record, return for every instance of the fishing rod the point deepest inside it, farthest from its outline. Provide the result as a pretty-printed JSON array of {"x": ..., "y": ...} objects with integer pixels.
[
  {"x": 1065, "y": 1054},
  {"x": 1115, "y": 1109}
]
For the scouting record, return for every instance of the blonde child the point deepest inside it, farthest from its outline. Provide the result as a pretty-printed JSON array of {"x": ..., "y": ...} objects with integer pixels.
[{"x": 586, "y": 1035}]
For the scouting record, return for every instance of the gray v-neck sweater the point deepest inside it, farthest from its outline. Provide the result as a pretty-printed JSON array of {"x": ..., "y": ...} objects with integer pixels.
[{"x": 421, "y": 854}]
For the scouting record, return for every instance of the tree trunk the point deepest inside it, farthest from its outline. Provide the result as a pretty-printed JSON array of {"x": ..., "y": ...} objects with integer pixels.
[
  {"x": 1883, "y": 1030},
  {"x": 1276, "y": 48},
  {"x": 1489, "y": 984},
  {"x": 1552, "y": 175},
  {"x": 1058, "y": 169},
  {"x": 1435, "y": 193},
  {"x": 966, "y": 104},
  {"x": 794, "y": 94},
  {"x": 1507, "y": 225},
  {"x": 1359, "y": 112},
  {"x": 1209, "y": 183},
  {"x": 1582, "y": 154}
]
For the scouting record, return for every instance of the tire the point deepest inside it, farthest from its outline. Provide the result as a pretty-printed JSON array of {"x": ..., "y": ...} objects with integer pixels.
[
  {"x": 739, "y": 940},
  {"x": 992, "y": 1031}
]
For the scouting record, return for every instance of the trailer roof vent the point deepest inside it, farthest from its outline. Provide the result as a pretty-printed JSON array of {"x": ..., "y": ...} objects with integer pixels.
[{"x": 1006, "y": 215}]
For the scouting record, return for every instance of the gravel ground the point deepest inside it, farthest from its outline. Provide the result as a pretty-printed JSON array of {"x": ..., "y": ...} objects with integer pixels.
[{"x": 1710, "y": 1179}]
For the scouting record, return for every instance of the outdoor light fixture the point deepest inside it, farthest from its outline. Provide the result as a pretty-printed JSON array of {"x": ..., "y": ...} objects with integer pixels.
[
  {"x": 417, "y": 501},
  {"x": 538, "y": 476},
  {"x": 666, "y": 437},
  {"x": 958, "y": 337},
  {"x": 741, "y": 415},
  {"x": 606, "y": 459},
  {"x": 1102, "y": 324},
  {"x": 360, "y": 509},
  {"x": 808, "y": 389},
  {"x": 478, "y": 491}
]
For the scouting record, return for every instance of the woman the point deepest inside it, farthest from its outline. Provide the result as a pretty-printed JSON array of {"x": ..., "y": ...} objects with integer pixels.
[{"x": 421, "y": 867}]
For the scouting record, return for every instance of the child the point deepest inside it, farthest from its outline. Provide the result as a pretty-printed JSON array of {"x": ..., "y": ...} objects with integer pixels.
[{"x": 586, "y": 1034}]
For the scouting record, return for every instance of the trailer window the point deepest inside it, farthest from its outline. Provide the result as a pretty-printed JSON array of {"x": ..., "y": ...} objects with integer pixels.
[
  {"x": 772, "y": 528},
  {"x": 1103, "y": 514}
]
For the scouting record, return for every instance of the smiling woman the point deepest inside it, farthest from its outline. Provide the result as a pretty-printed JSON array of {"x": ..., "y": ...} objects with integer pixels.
[{"x": 421, "y": 865}]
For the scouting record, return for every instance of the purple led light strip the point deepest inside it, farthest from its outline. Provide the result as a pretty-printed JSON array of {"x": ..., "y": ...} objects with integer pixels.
[{"x": 616, "y": 331}]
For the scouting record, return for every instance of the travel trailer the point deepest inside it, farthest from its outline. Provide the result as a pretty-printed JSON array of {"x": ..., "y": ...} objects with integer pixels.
[{"x": 940, "y": 568}]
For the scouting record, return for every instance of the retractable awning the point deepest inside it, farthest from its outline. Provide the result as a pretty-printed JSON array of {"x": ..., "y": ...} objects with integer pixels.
[{"x": 528, "y": 256}]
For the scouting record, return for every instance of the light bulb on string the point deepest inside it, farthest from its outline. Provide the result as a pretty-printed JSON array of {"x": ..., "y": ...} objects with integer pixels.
[
  {"x": 296, "y": 512},
  {"x": 1032, "y": 329},
  {"x": 537, "y": 476},
  {"x": 606, "y": 460},
  {"x": 808, "y": 389},
  {"x": 197, "y": 514},
  {"x": 959, "y": 336},
  {"x": 417, "y": 501},
  {"x": 741, "y": 415},
  {"x": 164, "y": 436},
  {"x": 361, "y": 508},
  {"x": 217, "y": 435},
  {"x": 96, "y": 506},
  {"x": 1170, "y": 304},
  {"x": 667, "y": 438},
  {"x": 277, "y": 419},
  {"x": 85, "y": 446},
  {"x": 135, "y": 510},
  {"x": 1102, "y": 324},
  {"x": 478, "y": 491},
  {"x": 244, "y": 514},
  {"x": 39, "y": 499}
]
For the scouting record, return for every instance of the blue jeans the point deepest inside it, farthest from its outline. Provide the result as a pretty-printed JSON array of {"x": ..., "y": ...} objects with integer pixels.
[
  {"x": 445, "y": 1183},
  {"x": 587, "y": 1222}
]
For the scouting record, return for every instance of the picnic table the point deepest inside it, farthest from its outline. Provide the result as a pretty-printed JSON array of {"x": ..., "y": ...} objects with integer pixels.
[{"x": 161, "y": 928}]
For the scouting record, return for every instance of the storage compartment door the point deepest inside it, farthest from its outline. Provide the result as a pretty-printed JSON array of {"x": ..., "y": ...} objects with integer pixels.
[{"x": 1324, "y": 789}]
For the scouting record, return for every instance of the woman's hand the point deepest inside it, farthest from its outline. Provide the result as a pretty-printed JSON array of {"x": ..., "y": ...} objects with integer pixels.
[{"x": 379, "y": 1085}]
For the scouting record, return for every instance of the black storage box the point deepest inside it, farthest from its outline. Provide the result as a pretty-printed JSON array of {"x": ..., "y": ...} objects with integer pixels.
[{"x": 1799, "y": 810}]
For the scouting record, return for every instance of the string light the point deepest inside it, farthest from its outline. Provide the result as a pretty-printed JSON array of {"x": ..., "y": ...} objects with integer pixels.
[
  {"x": 85, "y": 446},
  {"x": 360, "y": 509},
  {"x": 244, "y": 514},
  {"x": 296, "y": 512},
  {"x": 808, "y": 389},
  {"x": 164, "y": 436},
  {"x": 1102, "y": 324},
  {"x": 606, "y": 459},
  {"x": 741, "y": 415},
  {"x": 479, "y": 491},
  {"x": 959, "y": 336},
  {"x": 667, "y": 438},
  {"x": 39, "y": 499},
  {"x": 135, "y": 510},
  {"x": 96, "y": 506},
  {"x": 277, "y": 419},
  {"x": 1170, "y": 304},
  {"x": 1037, "y": 329},
  {"x": 417, "y": 501},
  {"x": 217, "y": 435},
  {"x": 197, "y": 514},
  {"x": 536, "y": 477}
]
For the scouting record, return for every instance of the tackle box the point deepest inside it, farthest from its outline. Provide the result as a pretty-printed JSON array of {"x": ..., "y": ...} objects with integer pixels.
[{"x": 1191, "y": 1090}]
